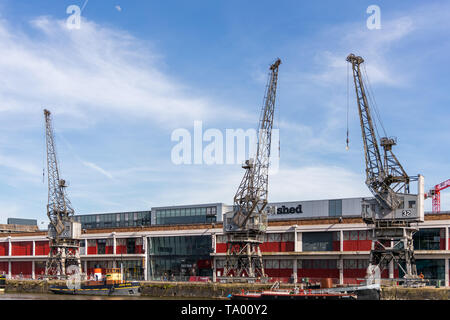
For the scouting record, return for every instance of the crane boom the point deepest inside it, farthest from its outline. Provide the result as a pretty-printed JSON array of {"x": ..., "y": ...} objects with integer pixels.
[
  {"x": 251, "y": 196},
  {"x": 63, "y": 232},
  {"x": 385, "y": 177},
  {"x": 393, "y": 210},
  {"x": 248, "y": 220},
  {"x": 59, "y": 208}
]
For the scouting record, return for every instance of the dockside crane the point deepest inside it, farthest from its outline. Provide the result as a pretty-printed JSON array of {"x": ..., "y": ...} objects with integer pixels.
[
  {"x": 435, "y": 195},
  {"x": 394, "y": 213},
  {"x": 247, "y": 223},
  {"x": 63, "y": 232}
]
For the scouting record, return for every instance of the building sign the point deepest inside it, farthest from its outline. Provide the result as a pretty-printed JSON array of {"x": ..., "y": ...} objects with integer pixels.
[{"x": 289, "y": 210}]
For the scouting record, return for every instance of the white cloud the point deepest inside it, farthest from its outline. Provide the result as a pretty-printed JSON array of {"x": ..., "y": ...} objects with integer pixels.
[
  {"x": 92, "y": 72},
  {"x": 316, "y": 182},
  {"x": 98, "y": 169},
  {"x": 20, "y": 165},
  {"x": 289, "y": 184}
]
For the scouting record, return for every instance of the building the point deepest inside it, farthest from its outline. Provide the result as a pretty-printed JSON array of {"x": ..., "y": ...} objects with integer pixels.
[
  {"x": 114, "y": 220},
  {"x": 19, "y": 225},
  {"x": 305, "y": 239},
  {"x": 22, "y": 222}
]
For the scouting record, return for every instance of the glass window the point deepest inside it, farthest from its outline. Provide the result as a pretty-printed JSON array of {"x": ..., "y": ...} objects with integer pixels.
[
  {"x": 363, "y": 235},
  {"x": 307, "y": 264},
  {"x": 335, "y": 208},
  {"x": 332, "y": 264},
  {"x": 317, "y": 241},
  {"x": 346, "y": 235},
  {"x": 354, "y": 235},
  {"x": 428, "y": 239}
]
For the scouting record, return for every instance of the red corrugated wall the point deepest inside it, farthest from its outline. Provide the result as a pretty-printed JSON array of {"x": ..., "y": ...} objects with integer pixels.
[
  {"x": 4, "y": 248},
  {"x": 121, "y": 246},
  {"x": 18, "y": 267},
  {"x": 42, "y": 248},
  {"x": 357, "y": 241},
  {"x": 4, "y": 267},
  {"x": 24, "y": 248},
  {"x": 92, "y": 247}
]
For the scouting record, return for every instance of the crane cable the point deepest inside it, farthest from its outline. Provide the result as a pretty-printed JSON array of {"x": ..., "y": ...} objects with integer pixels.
[
  {"x": 348, "y": 103},
  {"x": 373, "y": 102}
]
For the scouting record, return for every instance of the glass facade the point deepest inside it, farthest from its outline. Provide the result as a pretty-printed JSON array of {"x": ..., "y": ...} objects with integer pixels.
[
  {"x": 317, "y": 241},
  {"x": 114, "y": 220},
  {"x": 131, "y": 269},
  {"x": 335, "y": 208},
  {"x": 186, "y": 215},
  {"x": 179, "y": 257},
  {"x": 427, "y": 239},
  {"x": 433, "y": 269}
]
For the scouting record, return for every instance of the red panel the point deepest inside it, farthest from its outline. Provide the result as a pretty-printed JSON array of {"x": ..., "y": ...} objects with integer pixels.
[
  {"x": 23, "y": 248},
  {"x": 139, "y": 249},
  {"x": 92, "y": 250},
  {"x": 284, "y": 272},
  {"x": 290, "y": 246},
  {"x": 442, "y": 244},
  {"x": 121, "y": 249},
  {"x": 39, "y": 271},
  {"x": 42, "y": 248},
  {"x": 272, "y": 272},
  {"x": 352, "y": 245},
  {"x": 4, "y": 267},
  {"x": 109, "y": 250},
  {"x": 4, "y": 248},
  {"x": 364, "y": 245},
  {"x": 336, "y": 245},
  {"x": 222, "y": 247},
  {"x": 24, "y": 268}
]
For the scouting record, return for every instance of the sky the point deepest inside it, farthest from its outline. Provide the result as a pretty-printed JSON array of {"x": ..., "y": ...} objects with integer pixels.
[{"x": 136, "y": 71}]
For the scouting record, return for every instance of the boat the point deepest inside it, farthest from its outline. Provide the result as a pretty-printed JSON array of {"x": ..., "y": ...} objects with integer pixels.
[
  {"x": 360, "y": 292},
  {"x": 111, "y": 285},
  {"x": 2, "y": 283}
]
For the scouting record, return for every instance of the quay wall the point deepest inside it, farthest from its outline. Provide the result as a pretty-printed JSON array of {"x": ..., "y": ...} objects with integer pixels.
[{"x": 222, "y": 290}]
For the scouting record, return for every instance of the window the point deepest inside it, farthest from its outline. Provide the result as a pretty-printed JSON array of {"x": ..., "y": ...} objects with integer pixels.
[
  {"x": 363, "y": 264},
  {"x": 346, "y": 235},
  {"x": 317, "y": 241},
  {"x": 335, "y": 208},
  {"x": 411, "y": 204},
  {"x": 286, "y": 264},
  {"x": 101, "y": 246},
  {"x": 402, "y": 203},
  {"x": 332, "y": 264},
  {"x": 363, "y": 235},
  {"x": 353, "y": 235},
  {"x": 427, "y": 239}
]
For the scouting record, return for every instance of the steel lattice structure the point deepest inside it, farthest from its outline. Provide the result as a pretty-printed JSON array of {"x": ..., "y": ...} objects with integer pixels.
[
  {"x": 389, "y": 183},
  {"x": 435, "y": 194},
  {"x": 249, "y": 218},
  {"x": 64, "y": 243}
]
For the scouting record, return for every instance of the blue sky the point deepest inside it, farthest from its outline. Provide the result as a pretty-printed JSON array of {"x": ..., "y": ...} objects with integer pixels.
[{"x": 122, "y": 83}]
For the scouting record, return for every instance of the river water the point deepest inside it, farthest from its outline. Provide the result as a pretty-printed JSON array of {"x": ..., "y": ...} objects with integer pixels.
[{"x": 43, "y": 296}]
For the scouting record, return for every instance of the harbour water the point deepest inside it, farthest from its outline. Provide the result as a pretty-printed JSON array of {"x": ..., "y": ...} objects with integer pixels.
[{"x": 45, "y": 296}]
